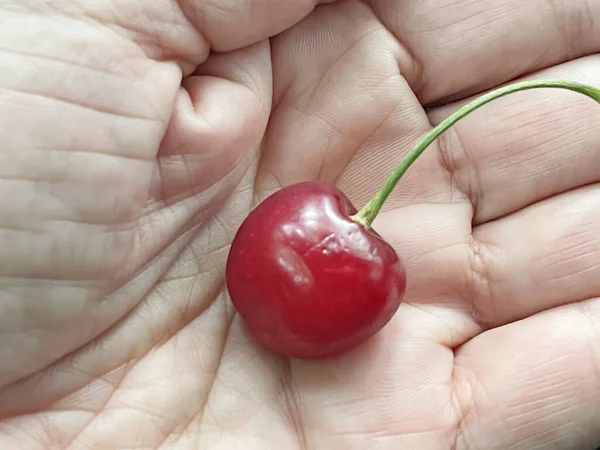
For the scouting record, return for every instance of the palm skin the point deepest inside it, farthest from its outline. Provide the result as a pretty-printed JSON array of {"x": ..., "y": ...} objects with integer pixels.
[{"x": 122, "y": 186}]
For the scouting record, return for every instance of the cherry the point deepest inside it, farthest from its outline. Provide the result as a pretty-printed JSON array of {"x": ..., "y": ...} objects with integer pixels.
[
  {"x": 309, "y": 281},
  {"x": 306, "y": 272}
]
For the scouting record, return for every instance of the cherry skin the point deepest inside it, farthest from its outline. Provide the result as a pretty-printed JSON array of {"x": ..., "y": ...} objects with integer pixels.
[{"x": 307, "y": 280}]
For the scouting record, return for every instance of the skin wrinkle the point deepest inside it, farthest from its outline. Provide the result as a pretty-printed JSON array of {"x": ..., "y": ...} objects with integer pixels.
[
  {"x": 108, "y": 379},
  {"x": 94, "y": 109},
  {"x": 198, "y": 417},
  {"x": 109, "y": 227},
  {"x": 454, "y": 159},
  {"x": 70, "y": 361},
  {"x": 87, "y": 66},
  {"x": 54, "y": 157},
  {"x": 412, "y": 69},
  {"x": 562, "y": 27},
  {"x": 182, "y": 324},
  {"x": 58, "y": 60},
  {"x": 359, "y": 145},
  {"x": 467, "y": 407},
  {"x": 105, "y": 332},
  {"x": 540, "y": 397},
  {"x": 213, "y": 203},
  {"x": 147, "y": 33},
  {"x": 554, "y": 57},
  {"x": 246, "y": 360},
  {"x": 462, "y": 407},
  {"x": 590, "y": 317},
  {"x": 51, "y": 405},
  {"x": 260, "y": 193},
  {"x": 289, "y": 402},
  {"x": 203, "y": 14},
  {"x": 324, "y": 78},
  {"x": 480, "y": 275},
  {"x": 282, "y": 98},
  {"x": 95, "y": 413}
]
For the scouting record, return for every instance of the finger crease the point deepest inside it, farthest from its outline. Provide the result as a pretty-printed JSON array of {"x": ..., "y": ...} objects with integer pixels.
[
  {"x": 463, "y": 175},
  {"x": 411, "y": 69},
  {"x": 291, "y": 406},
  {"x": 480, "y": 275}
]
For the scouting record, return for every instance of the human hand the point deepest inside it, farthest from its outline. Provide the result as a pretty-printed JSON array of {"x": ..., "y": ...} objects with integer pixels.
[{"x": 122, "y": 186}]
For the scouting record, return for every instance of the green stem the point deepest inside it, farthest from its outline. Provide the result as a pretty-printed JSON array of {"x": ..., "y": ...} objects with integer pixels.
[{"x": 368, "y": 213}]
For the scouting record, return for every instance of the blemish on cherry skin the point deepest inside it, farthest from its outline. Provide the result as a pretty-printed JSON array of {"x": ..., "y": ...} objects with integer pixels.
[
  {"x": 307, "y": 280},
  {"x": 294, "y": 267}
]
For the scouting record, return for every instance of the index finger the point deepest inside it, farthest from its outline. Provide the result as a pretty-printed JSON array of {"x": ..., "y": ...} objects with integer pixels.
[{"x": 464, "y": 47}]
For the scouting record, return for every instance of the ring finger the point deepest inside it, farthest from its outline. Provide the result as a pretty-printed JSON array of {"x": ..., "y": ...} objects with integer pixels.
[{"x": 525, "y": 147}]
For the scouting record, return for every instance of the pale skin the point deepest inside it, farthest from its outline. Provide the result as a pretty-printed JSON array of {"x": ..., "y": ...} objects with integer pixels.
[{"x": 136, "y": 136}]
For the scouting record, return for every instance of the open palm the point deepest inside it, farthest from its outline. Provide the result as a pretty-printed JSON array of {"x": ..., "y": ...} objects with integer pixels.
[{"x": 136, "y": 136}]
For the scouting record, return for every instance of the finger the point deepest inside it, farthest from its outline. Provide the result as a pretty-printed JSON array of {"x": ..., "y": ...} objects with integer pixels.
[
  {"x": 206, "y": 156},
  {"x": 338, "y": 104},
  {"x": 185, "y": 31},
  {"x": 465, "y": 47},
  {"x": 75, "y": 165},
  {"x": 218, "y": 121},
  {"x": 527, "y": 146},
  {"x": 542, "y": 257},
  {"x": 232, "y": 24},
  {"x": 533, "y": 384}
]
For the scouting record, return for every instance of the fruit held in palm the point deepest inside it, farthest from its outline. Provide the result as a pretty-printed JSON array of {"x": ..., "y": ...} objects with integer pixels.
[
  {"x": 309, "y": 281},
  {"x": 306, "y": 272}
]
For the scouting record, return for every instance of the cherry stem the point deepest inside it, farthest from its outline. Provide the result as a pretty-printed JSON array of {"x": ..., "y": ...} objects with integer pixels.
[{"x": 367, "y": 214}]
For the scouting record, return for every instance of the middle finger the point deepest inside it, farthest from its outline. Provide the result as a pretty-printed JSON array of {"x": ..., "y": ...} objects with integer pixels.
[{"x": 527, "y": 146}]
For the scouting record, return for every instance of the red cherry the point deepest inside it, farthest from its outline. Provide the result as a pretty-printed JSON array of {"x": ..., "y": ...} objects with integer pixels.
[
  {"x": 306, "y": 272},
  {"x": 308, "y": 281}
]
